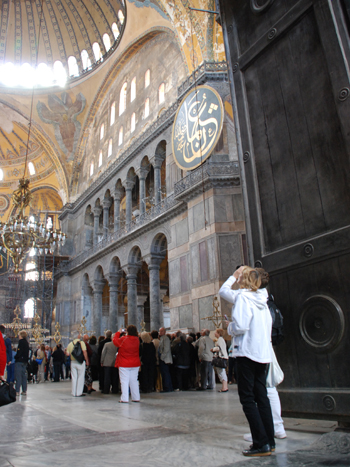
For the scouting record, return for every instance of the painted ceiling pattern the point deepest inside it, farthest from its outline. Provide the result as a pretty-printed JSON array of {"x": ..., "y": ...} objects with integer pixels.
[{"x": 67, "y": 28}]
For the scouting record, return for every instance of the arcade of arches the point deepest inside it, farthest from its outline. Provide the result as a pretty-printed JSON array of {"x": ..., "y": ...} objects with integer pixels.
[{"x": 147, "y": 241}]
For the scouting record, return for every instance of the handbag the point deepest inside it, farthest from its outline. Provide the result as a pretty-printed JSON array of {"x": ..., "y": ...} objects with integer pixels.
[
  {"x": 77, "y": 352},
  {"x": 7, "y": 393},
  {"x": 275, "y": 375},
  {"x": 39, "y": 361},
  {"x": 219, "y": 362}
]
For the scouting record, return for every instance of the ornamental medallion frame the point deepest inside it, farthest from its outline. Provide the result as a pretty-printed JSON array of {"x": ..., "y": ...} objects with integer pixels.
[{"x": 183, "y": 137}]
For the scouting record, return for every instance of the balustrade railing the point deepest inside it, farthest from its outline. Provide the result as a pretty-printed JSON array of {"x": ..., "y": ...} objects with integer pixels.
[{"x": 155, "y": 211}]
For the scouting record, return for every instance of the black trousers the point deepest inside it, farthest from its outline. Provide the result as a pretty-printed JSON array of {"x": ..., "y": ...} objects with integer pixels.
[
  {"x": 253, "y": 397},
  {"x": 111, "y": 378},
  {"x": 57, "y": 366}
]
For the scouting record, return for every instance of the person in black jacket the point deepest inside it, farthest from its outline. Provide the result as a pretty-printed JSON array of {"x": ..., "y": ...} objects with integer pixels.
[
  {"x": 21, "y": 359},
  {"x": 148, "y": 362},
  {"x": 181, "y": 355},
  {"x": 58, "y": 359},
  {"x": 100, "y": 368}
]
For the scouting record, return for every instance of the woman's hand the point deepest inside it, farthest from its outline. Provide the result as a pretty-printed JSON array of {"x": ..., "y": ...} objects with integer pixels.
[
  {"x": 238, "y": 272},
  {"x": 120, "y": 330},
  {"x": 227, "y": 323}
]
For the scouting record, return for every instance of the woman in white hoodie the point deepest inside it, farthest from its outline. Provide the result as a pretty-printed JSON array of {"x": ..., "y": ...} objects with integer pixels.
[{"x": 251, "y": 327}]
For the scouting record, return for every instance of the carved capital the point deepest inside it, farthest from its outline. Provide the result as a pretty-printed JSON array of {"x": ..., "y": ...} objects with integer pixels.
[
  {"x": 98, "y": 286},
  {"x": 129, "y": 185},
  {"x": 97, "y": 211},
  {"x": 106, "y": 203},
  {"x": 142, "y": 173},
  {"x": 157, "y": 161},
  {"x": 118, "y": 194}
]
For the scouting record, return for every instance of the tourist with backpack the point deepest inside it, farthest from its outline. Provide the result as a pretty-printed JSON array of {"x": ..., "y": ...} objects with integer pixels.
[{"x": 79, "y": 359}]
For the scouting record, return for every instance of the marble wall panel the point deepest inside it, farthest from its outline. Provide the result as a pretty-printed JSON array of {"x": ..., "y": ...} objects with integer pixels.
[
  {"x": 185, "y": 316},
  {"x": 174, "y": 277},
  {"x": 230, "y": 254},
  {"x": 205, "y": 309},
  {"x": 195, "y": 264},
  {"x": 185, "y": 286},
  {"x": 212, "y": 258},
  {"x": 203, "y": 261},
  {"x": 237, "y": 204},
  {"x": 181, "y": 232},
  {"x": 220, "y": 211},
  {"x": 198, "y": 216},
  {"x": 174, "y": 318},
  {"x": 195, "y": 315}
]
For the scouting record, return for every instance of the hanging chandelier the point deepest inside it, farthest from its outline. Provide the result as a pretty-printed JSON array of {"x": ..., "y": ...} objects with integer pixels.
[{"x": 20, "y": 233}]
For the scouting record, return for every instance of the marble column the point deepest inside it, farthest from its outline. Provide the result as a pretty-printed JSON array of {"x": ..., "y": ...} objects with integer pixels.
[
  {"x": 140, "y": 310},
  {"x": 87, "y": 294},
  {"x": 154, "y": 291},
  {"x": 113, "y": 323},
  {"x": 106, "y": 205},
  {"x": 121, "y": 316},
  {"x": 118, "y": 195},
  {"x": 98, "y": 286},
  {"x": 129, "y": 185},
  {"x": 131, "y": 278},
  {"x": 163, "y": 292},
  {"x": 157, "y": 179},
  {"x": 97, "y": 212},
  {"x": 142, "y": 178}
]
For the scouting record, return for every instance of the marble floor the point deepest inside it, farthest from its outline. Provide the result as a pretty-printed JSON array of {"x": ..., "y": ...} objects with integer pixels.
[{"x": 49, "y": 427}]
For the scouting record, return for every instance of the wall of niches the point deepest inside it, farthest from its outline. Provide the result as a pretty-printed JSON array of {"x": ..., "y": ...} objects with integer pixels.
[{"x": 163, "y": 58}]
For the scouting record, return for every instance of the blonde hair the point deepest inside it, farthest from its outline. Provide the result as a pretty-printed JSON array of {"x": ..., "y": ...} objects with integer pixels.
[
  {"x": 146, "y": 338},
  {"x": 23, "y": 334},
  {"x": 251, "y": 279}
]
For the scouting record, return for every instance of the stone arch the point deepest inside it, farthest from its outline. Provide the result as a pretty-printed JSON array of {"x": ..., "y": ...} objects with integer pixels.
[
  {"x": 146, "y": 179},
  {"x": 132, "y": 188},
  {"x": 159, "y": 259},
  {"x": 159, "y": 162},
  {"x": 89, "y": 226},
  {"x": 108, "y": 213}
]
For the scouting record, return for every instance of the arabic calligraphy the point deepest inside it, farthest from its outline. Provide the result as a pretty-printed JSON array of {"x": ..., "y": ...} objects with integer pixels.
[{"x": 197, "y": 127}]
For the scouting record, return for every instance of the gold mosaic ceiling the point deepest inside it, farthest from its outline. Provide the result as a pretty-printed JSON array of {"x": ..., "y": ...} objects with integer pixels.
[{"x": 67, "y": 28}]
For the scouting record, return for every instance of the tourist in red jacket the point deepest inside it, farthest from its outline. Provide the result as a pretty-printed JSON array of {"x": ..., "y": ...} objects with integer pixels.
[{"x": 128, "y": 362}]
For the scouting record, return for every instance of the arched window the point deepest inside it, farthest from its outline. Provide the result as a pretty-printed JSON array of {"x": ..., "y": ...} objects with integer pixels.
[
  {"x": 1, "y": 174},
  {"x": 115, "y": 31},
  {"x": 91, "y": 169},
  {"x": 100, "y": 159},
  {"x": 102, "y": 131},
  {"x": 31, "y": 272},
  {"x": 161, "y": 93},
  {"x": 133, "y": 122},
  {"x": 112, "y": 113},
  {"x": 60, "y": 74},
  {"x": 44, "y": 75},
  {"x": 97, "y": 51},
  {"x": 122, "y": 99},
  {"x": 85, "y": 59},
  {"x": 147, "y": 78},
  {"x": 133, "y": 89},
  {"x": 120, "y": 140},
  {"x": 106, "y": 41},
  {"x": 49, "y": 222},
  {"x": 31, "y": 168},
  {"x": 110, "y": 147},
  {"x": 73, "y": 66},
  {"x": 29, "y": 307},
  {"x": 146, "y": 107},
  {"x": 121, "y": 16}
]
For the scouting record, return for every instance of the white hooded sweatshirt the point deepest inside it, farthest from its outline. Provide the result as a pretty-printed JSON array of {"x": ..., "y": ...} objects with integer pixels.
[{"x": 251, "y": 322}]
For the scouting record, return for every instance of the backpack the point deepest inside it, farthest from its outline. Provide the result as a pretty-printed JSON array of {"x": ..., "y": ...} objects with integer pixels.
[
  {"x": 277, "y": 334},
  {"x": 77, "y": 352}
]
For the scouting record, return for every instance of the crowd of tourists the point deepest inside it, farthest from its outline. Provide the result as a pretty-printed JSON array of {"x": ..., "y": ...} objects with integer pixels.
[{"x": 133, "y": 363}]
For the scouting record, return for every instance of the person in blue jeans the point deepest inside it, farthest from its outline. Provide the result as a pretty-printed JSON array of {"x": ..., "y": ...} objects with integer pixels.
[
  {"x": 21, "y": 359},
  {"x": 11, "y": 368}
]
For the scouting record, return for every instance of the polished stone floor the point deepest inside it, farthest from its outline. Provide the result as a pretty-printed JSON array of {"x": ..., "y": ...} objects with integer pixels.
[{"x": 49, "y": 427}]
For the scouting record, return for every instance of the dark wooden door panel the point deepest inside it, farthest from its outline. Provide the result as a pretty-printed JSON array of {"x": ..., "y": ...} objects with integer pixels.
[{"x": 290, "y": 86}]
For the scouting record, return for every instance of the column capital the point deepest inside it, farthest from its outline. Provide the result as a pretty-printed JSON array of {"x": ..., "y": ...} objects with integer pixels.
[
  {"x": 129, "y": 184},
  {"x": 98, "y": 285},
  {"x": 106, "y": 203},
  {"x": 97, "y": 211},
  {"x": 142, "y": 173},
  {"x": 118, "y": 193},
  {"x": 157, "y": 161},
  {"x": 141, "y": 299},
  {"x": 153, "y": 261}
]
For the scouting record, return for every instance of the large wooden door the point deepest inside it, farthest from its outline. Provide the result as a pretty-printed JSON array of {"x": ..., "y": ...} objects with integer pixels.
[{"x": 289, "y": 67}]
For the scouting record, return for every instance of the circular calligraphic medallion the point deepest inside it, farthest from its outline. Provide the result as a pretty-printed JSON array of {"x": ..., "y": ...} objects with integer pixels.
[
  {"x": 197, "y": 127},
  {"x": 4, "y": 203}
]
